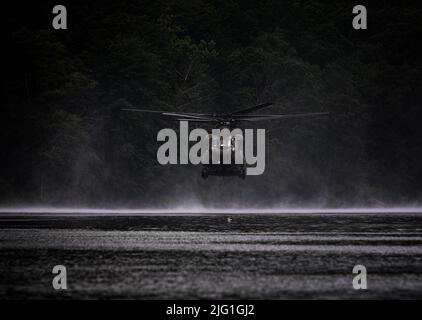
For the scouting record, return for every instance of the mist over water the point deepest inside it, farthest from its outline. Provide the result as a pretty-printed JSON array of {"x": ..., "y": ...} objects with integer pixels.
[{"x": 182, "y": 210}]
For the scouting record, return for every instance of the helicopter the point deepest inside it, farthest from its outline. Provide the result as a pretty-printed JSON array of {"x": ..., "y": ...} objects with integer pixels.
[{"x": 226, "y": 121}]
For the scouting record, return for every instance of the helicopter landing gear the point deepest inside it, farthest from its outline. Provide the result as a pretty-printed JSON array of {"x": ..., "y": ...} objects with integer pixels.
[
  {"x": 204, "y": 174},
  {"x": 224, "y": 171},
  {"x": 242, "y": 173}
]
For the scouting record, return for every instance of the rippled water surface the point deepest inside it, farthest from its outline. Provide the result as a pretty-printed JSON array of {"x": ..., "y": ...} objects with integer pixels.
[{"x": 256, "y": 256}]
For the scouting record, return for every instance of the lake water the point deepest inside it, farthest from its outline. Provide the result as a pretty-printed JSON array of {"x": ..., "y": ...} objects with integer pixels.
[{"x": 255, "y": 256}]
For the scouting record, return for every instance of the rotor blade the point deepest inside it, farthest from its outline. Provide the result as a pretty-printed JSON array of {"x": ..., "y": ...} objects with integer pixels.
[
  {"x": 186, "y": 115},
  {"x": 142, "y": 110},
  {"x": 279, "y": 116},
  {"x": 252, "y": 109},
  {"x": 172, "y": 114},
  {"x": 197, "y": 120}
]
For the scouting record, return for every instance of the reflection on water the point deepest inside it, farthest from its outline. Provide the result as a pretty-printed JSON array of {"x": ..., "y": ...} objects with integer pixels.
[{"x": 205, "y": 256}]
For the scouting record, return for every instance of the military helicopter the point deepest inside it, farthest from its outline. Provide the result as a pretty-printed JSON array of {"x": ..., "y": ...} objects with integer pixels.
[{"x": 226, "y": 121}]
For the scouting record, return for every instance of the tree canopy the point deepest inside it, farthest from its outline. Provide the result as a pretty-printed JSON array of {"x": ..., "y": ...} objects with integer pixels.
[{"x": 64, "y": 139}]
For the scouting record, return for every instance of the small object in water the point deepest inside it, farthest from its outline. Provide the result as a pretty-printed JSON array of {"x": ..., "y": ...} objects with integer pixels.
[{"x": 229, "y": 220}]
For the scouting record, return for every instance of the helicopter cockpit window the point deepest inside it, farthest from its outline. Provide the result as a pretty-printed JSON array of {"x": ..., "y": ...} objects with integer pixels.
[
  {"x": 226, "y": 143},
  {"x": 218, "y": 142}
]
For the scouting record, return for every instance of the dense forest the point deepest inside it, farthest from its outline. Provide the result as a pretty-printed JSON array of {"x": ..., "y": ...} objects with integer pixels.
[{"x": 65, "y": 141}]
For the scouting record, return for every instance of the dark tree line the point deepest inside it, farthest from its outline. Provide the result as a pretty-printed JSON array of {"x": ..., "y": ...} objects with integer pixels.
[{"x": 64, "y": 139}]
